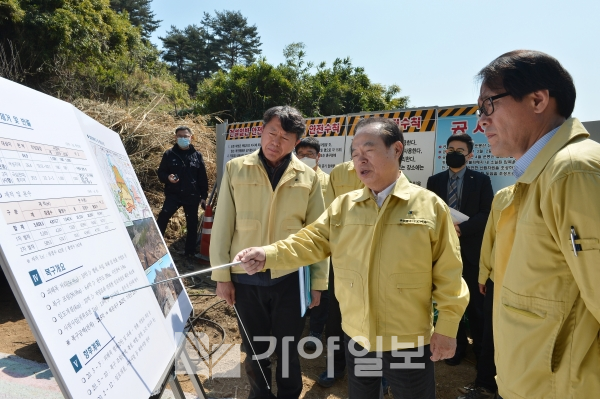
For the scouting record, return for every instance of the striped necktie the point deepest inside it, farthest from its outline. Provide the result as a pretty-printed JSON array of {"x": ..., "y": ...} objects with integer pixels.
[{"x": 453, "y": 194}]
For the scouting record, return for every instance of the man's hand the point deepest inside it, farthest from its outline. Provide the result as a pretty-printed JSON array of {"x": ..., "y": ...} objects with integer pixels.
[
  {"x": 203, "y": 204},
  {"x": 457, "y": 228},
  {"x": 316, "y": 298},
  {"x": 482, "y": 289},
  {"x": 253, "y": 259},
  {"x": 173, "y": 179},
  {"x": 226, "y": 290},
  {"x": 442, "y": 347}
]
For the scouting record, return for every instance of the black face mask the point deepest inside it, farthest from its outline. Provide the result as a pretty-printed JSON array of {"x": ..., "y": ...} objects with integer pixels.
[{"x": 455, "y": 160}]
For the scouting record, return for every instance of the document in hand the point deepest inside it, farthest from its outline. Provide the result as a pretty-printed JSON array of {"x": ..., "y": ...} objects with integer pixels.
[
  {"x": 304, "y": 280},
  {"x": 458, "y": 217}
]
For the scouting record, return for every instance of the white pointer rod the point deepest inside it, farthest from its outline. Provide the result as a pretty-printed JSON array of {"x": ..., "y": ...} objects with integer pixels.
[{"x": 175, "y": 278}]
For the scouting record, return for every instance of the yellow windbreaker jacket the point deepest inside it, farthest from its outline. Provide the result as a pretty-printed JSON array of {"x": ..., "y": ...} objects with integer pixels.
[
  {"x": 546, "y": 327},
  {"x": 250, "y": 213},
  {"x": 342, "y": 180},
  {"x": 323, "y": 179},
  {"x": 389, "y": 262},
  {"x": 487, "y": 259}
]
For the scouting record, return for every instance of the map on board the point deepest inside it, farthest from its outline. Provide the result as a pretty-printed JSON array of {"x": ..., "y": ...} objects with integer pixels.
[{"x": 123, "y": 185}]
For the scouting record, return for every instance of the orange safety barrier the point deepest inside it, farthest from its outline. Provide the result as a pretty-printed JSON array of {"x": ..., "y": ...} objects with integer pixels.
[{"x": 206, "y": 230}]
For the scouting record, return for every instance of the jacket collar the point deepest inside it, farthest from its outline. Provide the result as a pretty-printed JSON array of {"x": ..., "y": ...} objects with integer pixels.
[
  {"x": 401, "y": 190},
  {"x": 178, "y": 149},
  {"x": 569, "y": 131},
  {"x": 254, "y": 159}
]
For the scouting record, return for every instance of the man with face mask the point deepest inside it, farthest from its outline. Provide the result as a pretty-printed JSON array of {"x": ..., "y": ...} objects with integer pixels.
[
  {"x": 183, "y": 172},
  {"x": 309, "y": 152},
  {"x": 471, "y": 193}
]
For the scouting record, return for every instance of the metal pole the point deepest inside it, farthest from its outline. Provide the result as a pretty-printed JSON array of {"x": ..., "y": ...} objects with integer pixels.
[
  {"x": 251, "y": 347},
  {"x": 174, "y": 278}
]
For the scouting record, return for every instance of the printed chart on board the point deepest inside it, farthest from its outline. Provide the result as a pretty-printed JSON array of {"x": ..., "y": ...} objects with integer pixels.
[
  {"x": 136, "y": 214},
  {"x": 64, "y": 245}
]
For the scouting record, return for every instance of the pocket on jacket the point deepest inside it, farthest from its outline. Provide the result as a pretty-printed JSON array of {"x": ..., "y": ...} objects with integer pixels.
[
  {"x": 525, "y": 342},
  {"x": 247, "y": 234},
  {"x": 247, "y": 225},
  {"x": 292, "y": 226},
  {"x": 349, "y": 291},
  {"x": 409, "y": 308}
]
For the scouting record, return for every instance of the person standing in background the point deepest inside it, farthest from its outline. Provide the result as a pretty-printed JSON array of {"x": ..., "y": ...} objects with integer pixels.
[
  {"x": 471, "y": 193},
  {"x": 183, "y": 173},
  {"x": 308, "y": 151}
]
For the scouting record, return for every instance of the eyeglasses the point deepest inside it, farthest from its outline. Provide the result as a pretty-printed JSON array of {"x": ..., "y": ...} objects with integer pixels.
[
  {"x": 458, "y": 151},
  {"x": 487, "y": 106},
  {"x": 306, "y": 154}
]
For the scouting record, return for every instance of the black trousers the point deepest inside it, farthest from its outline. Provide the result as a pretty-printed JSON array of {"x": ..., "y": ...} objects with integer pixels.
[
  {"x": 190, "y": 207},
  {"x": 410, "y": 377},
  {"x": 318, "y": 315},
  {"x": 334, "y": 326},
  {"x": 486, "y": 367},
  {"x": 474, "y": 313},
  {"x": 272, "y": 311}
]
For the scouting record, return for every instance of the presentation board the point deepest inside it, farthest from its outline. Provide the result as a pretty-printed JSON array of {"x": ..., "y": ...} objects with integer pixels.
[
  {"x": 463, "y": 120},
  {"x": 418, "y": 127},
  {"x": 75, "y": 227}
]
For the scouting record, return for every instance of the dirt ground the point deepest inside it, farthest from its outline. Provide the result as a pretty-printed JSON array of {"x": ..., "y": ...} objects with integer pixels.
[{"x": 16, "y": 338}]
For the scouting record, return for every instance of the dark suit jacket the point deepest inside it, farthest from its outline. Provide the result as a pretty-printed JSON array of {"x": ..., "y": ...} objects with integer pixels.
[{"x": 476, "y": 201}]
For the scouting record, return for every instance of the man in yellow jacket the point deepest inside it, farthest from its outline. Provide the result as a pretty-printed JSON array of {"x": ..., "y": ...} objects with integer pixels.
[
  {"x": 547, "y": 319},
  {"x": 393, "y": 247},
  {"x": 485, "y": 386},
  {"x": 266, "y": 196}
]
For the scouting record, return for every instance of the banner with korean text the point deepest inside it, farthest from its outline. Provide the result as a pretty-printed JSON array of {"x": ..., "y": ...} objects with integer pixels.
[
  {"x": 331, "y": 133},
  {"x": 241, "y": 139},
  {"x": 418, "y": 126}
]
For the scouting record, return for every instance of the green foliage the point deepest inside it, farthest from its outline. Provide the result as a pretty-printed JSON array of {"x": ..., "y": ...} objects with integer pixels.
[
  {"x": 140, "y": 14},
  {"x": 236, "y": 40},
  {"x": 82, "y": 48},
  {"x": 190, "y": 54},
  {"x": 220, "y": 42},
  {"x": 245, "y": 92}
]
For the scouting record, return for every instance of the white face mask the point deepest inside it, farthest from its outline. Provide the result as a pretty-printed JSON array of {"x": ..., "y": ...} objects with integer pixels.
[{"x": 310, "y": 162}]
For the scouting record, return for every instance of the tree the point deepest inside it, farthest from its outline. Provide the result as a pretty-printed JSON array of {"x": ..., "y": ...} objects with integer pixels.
[
  {"x": 235, "y": 40},
  {"x": 244, "y": 92},
  {"x": 80, "y": 32},
  {"x": 140, "y": 14},
  {"x": 199, "y": 51},
  {"x": 176, "y": 47}
]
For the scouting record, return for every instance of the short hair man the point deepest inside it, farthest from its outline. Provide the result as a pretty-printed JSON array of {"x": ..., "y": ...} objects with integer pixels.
[
  {"x": 183, "y": 173},
  {"x": 469, "y": 192},
  {"x": 393, "y": 248},
  {"x": 308, "y": 151},
  {"x": 266, "y": 196},
  {"x": 547, "y": 330}
]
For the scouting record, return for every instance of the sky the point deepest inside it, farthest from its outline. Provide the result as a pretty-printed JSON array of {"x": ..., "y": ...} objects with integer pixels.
[{"x": 432, "y": 50}]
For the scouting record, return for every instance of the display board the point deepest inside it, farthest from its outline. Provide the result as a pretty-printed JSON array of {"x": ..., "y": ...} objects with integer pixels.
[
  {"x": 463, "y": 120},
  {"x": 331, "y": 133},
  {"x": 418, "y": 127},
  {"x": 64, "y": 244}
]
